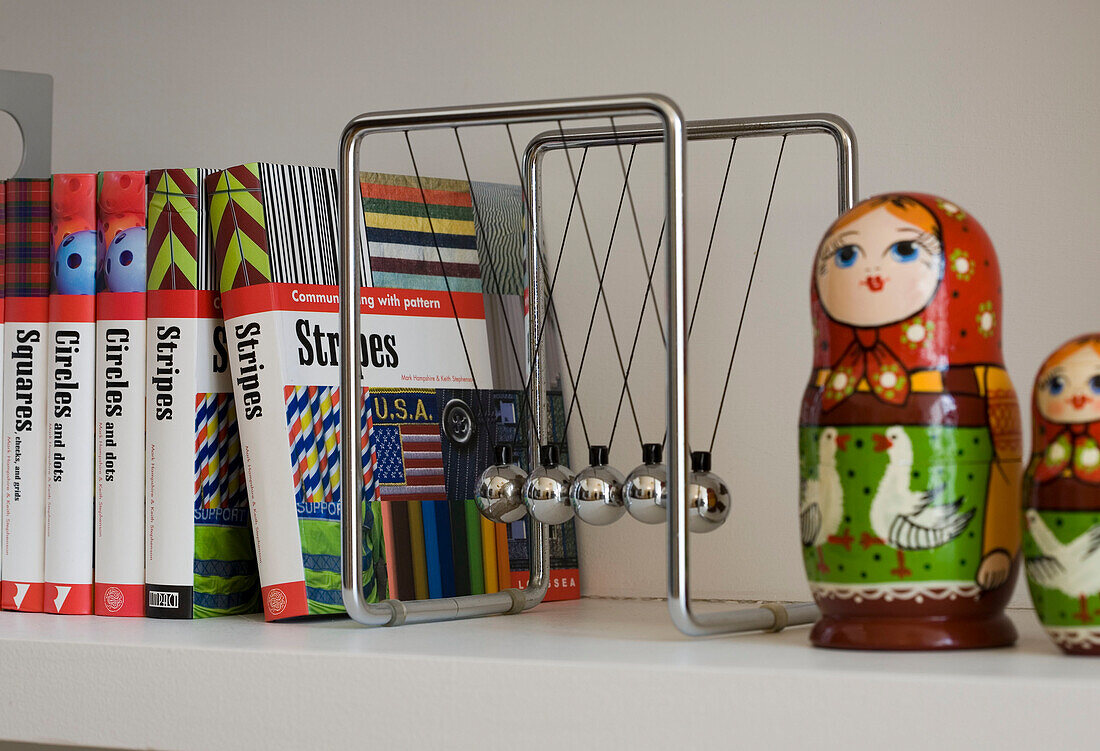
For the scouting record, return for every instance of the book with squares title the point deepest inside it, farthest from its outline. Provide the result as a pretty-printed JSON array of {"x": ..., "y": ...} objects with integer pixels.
[
  {"x": 70, "y": 392},
  {"x": 26, "y": 313},
  {"x": 120, "y": 396},
  {"x": 199, "y": 558}
]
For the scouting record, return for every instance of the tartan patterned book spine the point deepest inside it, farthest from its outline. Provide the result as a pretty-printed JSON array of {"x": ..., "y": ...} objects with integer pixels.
[
  {"x": 26, "y": 312},
  {"x": 70, "y": 402},
  {"x": 120, "y": 396},
  {"x": 199, "y": 558},
  {"x": 3, "y": 252}
]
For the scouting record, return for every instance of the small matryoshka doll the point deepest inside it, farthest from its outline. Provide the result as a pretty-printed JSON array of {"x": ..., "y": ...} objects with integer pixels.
[
  {"x": 910, "y": 433},
  {"x": 1062, "y": 496}
]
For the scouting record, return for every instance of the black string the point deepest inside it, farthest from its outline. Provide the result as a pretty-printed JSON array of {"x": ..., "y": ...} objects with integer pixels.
[
  {"x": 495, "y": 280},
  {"x": 552, "y": 312},
  {"x": 710, "y": 244},
  {"x": 638, "y": 232},
  {"x": 478, "y": 419},
  {"x": 748, "y": 289},
  {"x": 634, "y": 344},
  {"x": 600, "y": 296}
]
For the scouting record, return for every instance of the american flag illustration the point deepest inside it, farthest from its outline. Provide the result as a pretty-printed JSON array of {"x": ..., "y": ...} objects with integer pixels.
[{"x": 410, "y": 462}]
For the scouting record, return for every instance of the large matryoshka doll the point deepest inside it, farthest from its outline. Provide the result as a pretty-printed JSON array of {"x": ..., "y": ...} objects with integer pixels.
[
  {"x": 910, "y": 433},
  {"x": 1062, "y": 496}
]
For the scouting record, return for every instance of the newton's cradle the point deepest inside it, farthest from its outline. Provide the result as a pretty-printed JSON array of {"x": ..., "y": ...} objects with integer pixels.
[{"x": 673, "y": 484}]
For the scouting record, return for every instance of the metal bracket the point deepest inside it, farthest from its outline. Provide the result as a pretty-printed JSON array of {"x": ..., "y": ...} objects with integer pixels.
[
  {"x": 671, "y": 132},
  {"x": 766, "y": 617},
  {"x": 28, "y": 97}
]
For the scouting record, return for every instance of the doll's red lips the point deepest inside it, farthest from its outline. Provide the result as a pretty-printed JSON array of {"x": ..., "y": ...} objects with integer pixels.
[
  {"x": 1079, "y": 400},
  {"x": 874, "y": 283}
]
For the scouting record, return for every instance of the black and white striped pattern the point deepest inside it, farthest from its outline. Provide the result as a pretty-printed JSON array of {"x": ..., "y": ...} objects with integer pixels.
[
  {"x": 206, "y": 277},
  {"x": 498, "y": 213},
  {"x": 905, "y": 534}
]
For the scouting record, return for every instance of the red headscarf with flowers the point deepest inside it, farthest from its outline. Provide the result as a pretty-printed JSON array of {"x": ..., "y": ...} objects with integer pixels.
[
  {"x": 1058, "y": 445},
  {"x": 960, "y": 325}
]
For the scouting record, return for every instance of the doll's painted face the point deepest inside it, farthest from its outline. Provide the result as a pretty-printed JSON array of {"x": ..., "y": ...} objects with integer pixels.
[
  {"x": 1069, "y": 392},
  {"x": 881, "y": 267}
]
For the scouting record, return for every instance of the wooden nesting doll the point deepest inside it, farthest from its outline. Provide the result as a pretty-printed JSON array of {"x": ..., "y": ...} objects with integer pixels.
[
  {"x": 1062, "y": 496},
  {"x": 910, "y": 438}
]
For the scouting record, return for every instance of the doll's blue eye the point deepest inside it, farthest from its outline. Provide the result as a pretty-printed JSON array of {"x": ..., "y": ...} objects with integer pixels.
[
  {"x": 1056, "y": 385},
  {"x": 846, "y": 256},
  {"x": 1094, "y": 384},
  {"x": 904, "y": 251}
]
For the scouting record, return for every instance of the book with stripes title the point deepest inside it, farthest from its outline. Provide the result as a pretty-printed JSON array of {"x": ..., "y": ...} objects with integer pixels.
[
  {"x": 70, "y": 391},
  {"x": 275, "y": 237},
  {"x": 120, "y": 396},
  {"x": 199, "y": 559},
  {"x": 26, "y": 314}
]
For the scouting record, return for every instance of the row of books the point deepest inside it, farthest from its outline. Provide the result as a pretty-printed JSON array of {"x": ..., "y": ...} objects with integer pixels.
[{"x": 171, "y": 391}]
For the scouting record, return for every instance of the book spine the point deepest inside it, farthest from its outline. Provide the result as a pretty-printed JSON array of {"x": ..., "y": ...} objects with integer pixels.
[
  {"x": 429, "y": 511},
  {"x": 3, "y": 255},
  {"x": 473, "y": 546},
  {"x": 459, "y": 554},
  {"x": 399, "y": 556},
  {"x": 26, "y": 314},
  {"x": 489, "y": 556},
  {"x": 120, "y": 396},
  {"x": 254, "y": 357},
  {"x": 199, "y": 558},
  {"x": 70, "y": 397}
]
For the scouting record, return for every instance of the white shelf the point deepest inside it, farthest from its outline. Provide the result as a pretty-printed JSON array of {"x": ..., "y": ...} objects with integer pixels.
[{"x": 578, "y": 674}]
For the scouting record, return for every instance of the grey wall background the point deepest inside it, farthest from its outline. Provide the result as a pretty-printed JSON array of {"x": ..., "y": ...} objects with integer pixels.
[{"x": 991, "y": 104}]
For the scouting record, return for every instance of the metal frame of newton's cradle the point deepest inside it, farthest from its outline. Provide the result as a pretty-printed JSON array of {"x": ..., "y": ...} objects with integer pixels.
[{"x": 673, "y": 132}]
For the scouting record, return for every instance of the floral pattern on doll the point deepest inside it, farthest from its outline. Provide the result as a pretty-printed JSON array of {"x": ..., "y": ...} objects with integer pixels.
[{"x": 961, "y": 264}]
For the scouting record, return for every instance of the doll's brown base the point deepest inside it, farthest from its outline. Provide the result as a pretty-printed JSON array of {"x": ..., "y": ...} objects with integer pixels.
[
  {"x": 913, "y": 633},
  {"x": 1083, "y": 651}
]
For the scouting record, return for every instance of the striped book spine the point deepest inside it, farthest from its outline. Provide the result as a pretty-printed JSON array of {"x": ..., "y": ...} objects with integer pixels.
[
  {"x": 199, "y": 558},
  {"x": 70, "y": 397},
  {"x": 26, "y": 312},
  {"x": 120, "y": 396}
]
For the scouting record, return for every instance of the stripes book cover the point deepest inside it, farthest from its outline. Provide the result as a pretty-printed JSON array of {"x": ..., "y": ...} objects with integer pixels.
[
  {"x": 26, "y": 313},
  {"x": 120, "y": 396},
  {"x": 70, "y": 391},
  {"x": 199, "y": 558}
]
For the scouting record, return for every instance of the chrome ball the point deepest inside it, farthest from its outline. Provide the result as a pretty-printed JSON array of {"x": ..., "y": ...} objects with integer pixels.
[
  {"x": 596, "y": 493},
  {"x": 707, "y": 495},
  {"x": 546, "y": 491},
  {"x": 644, "y": 491},
  {"x": 499, "y": 495}
]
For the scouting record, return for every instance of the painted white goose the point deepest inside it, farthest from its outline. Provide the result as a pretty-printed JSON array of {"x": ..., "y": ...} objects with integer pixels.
[
  {"x": 905, "y": 519},
  {"x": 821, "y": 506},
  {"x": 1071, "y": 568}
]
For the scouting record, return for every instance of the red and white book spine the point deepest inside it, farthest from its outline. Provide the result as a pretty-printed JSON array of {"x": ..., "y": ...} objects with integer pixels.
[
  {"x": 70, "y": 391},
  {"x": 24, "y": 420},
  {"x": 120, "y": 397}
]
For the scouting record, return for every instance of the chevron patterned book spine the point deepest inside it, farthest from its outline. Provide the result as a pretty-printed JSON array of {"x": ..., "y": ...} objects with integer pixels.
[
  {"x": 120, "y": 396},
  {"x": 199, "y": 558},
  {"x": 70, "y": 392},
  {"x": 26, "y": 312}
]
